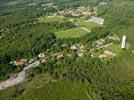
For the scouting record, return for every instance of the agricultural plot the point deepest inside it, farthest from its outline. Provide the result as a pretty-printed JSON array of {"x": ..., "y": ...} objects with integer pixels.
[{"x": 71, "y": 33}]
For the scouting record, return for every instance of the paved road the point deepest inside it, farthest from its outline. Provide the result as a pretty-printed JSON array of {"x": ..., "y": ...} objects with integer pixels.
[{"x": 21, "y": 77}]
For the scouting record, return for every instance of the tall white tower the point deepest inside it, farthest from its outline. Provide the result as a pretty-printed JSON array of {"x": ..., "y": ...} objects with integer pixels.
[{"x": 124, "y": 40}]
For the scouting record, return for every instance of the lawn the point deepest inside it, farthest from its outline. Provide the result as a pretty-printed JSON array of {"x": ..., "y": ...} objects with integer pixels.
[
  {"x": 127, "y": 55},
  {"x": 44, "y": 19},
  {"x": 86, "y": 24},
  {"x": 115, "y": 48},
  {"x": 71, "y": 33},
  {"x": 128, "y": 31}
]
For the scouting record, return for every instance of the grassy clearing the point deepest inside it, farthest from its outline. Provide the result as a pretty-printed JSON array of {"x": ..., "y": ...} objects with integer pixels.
[
  {"x": 86, "y": 24},
  {"x": 129, "y": 33},
  {"x": 45, "y": 19},
  {"x": 116, "y": 48},
  {"x": 71, "y": 33},
  {"x": 128, "y": 56}
]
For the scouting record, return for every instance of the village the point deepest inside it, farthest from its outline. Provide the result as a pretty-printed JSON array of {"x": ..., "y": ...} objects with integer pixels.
[
  {"x": 99, "y": 45},
  {"x": 103, "y": 49}
]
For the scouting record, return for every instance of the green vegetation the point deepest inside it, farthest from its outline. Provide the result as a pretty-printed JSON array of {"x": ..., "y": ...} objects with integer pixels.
[
  {"x": 71, "y": 33},
  {"x": 50, "y": 19},
  {"x": 26, "y": 33},
  {"x": 86, "y": 23},
  {"x": 115, "y": 48},
  {"x": 53, "y": 92}
]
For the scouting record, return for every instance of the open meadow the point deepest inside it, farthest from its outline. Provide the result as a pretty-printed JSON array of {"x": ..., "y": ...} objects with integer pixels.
[{"x": 71, "y": 33}]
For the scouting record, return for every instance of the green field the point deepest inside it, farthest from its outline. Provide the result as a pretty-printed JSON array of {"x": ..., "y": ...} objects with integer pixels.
[
  {"x": 115, "y": 48},
  {"x": 44, "y": 19},
  {"x": 71, "y": 33},
  {"x": 86, "y": 24}
]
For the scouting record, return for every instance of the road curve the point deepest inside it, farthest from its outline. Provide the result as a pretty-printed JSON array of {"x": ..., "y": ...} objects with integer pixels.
[{"x": 20, "y": 78}]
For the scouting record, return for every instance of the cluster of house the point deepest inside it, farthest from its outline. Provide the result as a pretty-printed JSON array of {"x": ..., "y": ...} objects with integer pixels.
[
  {"x": 23, "y": 62},
  {"x": 101, "y": 42},
  {"x": 80, "y": 49},
  {"x": 81, "y": 11},
  {"x": 106, "y": 54},
  {"x": 42, "y": 57},
  {"x": 97, "y": 20}
]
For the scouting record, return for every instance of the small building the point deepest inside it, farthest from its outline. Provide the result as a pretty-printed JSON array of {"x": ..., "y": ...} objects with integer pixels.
[
  {"x": 41, "y": 55},
  {"x": 103, "y": 3},
  {"x": 124, "y": 40},
  {"x": 73, "y": 47},
  {"x": 80, "y": 53},
  {"x": 19, "y": 63},
  {"x": 108, "y": 53},
  {"x": 97, "y": 20},
  {"x": 60, "y": 56},
  {"x": 63, "y": 45},
  {"x": 80, "y": 49},
  {"x": 98, "y": 43},
  {"x": 103, "y": 56}
]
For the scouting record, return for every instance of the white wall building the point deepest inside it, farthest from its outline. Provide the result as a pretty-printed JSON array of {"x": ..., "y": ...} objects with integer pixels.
[{"x": 124, "y": 40}]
